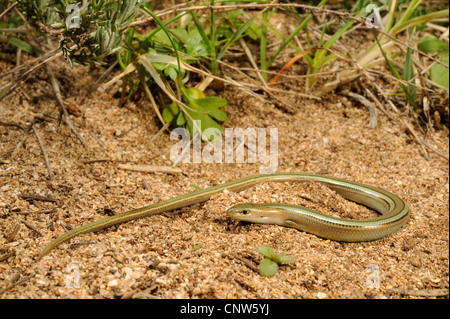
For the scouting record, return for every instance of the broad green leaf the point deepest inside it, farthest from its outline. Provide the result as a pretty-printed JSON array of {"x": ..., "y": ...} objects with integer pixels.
[
  {"x": 199, "y": 108},
  {"x": 197, "y": 247},
  {"x": 172, "y": 72},
  {"x": 431, "y": 44},
  {"x": 212, "y": 101},
  {"x": 205, "y": 123},
  {"x": 267, "y": 267},
  {"x": 24, "y": 46},
  {"x": 194, "y": 93},
  {"x": 181, "y": 119},
  {"x": 282, "y": 258},
  {"x": 439, "y": 73},
  {"x": 266, "y": 251},
  {"x": 218, "y": 115},
  {"x": 170, "y": 112}
]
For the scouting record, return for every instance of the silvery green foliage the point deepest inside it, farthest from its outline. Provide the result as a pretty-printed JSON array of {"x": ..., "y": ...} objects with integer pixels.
[{"x": 94, "y": 26}]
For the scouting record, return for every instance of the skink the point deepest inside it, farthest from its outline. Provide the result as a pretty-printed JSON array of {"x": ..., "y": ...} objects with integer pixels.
[{"x": 393, "y": 209}]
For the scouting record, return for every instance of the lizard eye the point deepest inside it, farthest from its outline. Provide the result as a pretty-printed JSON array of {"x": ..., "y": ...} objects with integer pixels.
[{"x": 244, "y": 212}]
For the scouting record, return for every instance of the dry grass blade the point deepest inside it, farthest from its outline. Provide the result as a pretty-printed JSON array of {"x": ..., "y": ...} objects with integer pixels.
[
  {"x": 16, "y": 283},
  {"x": 224, "y": 8},
  {"x": 8, "y": 9},
  {"x": 10, "y": 86},
  {"x": 373, "y": 114},
  {"x": 151, "y": 169},
  {"x": 44, "y": 153},
  {"x": 420, "y": 292},
  {"x": 61, "y": 106},
  {"x": 97, "y": 83}
]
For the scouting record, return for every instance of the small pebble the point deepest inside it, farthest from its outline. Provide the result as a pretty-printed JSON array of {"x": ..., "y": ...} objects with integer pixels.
[{"x": 321, "y": 295}]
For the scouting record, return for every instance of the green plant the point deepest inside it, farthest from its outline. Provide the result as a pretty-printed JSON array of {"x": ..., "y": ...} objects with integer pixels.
[
  {"x": 269, "y": 265},
  {"x": 200, "y": 108},
  {"x": 187, "y": 44},
  {"x": 94, "y": 28},
  {"x": 396, "y": 20},
  {"x": 197, "y": 247},
  {"x": 438, "y": 73},
  {"x": 166, "y": 56}
]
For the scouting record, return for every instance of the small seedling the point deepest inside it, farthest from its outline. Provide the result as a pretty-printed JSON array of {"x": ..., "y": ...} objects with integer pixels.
[
  {"x": 197, "y": 247},
  {"x": 269, "y": 265}
]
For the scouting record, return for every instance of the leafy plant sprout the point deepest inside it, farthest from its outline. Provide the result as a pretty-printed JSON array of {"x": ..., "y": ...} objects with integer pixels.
[{"x": 271, "y": 261}]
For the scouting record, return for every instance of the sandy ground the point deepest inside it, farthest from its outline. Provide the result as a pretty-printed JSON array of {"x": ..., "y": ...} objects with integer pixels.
[{"x": 157, "y": 257}]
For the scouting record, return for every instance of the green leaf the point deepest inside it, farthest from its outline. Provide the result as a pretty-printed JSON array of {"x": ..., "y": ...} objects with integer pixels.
[
  {"x": 266, "y": 251},
  {"x": 181, "y": 120},
  {"x": 172, "y": 72},
  {"x": 282, "y": 258},
  {"x": 205, "y": 121},
  {"x": 439, "y": 73},
  {"x": 267, "y": 267},
  {"x": 24, "y": 46},
  {"x": 408, "y": 74},
  {"x": 431, "y": 44},
  {"x": 218, "y": 115},
  {"x": 197, "y": 247},
  {"x": 236, "y": 36},
  {"x": 194, "y": 93},
  {"x": 212, "y": 105},
  {"x": 212, "y": 101},
  {"x": 170, "y": 112},
  {"x": 195, "y": 46},
  {"x": 202, "y": 109}
]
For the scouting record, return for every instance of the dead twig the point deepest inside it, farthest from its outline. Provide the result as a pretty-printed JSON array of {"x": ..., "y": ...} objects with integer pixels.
[
  {"x": 41, "y": 145},
  {"x": 246, "y": 262},
  {"x": 18, "y": 282},
  {"x": 416, "y": 136},
  {"x": 7, "y": 255},
  {"x": 165, "y": 127},
  {"x": 8, "y": 9},
  {"x": 419, "y": 292},
  {"x": 18, "y": 146},
  {"x": 433, "y": 149},
  {"x": 12, "y": 125},
  {"x": 101, "y": 160},
  {"x": 151, "y": 169},
  {"x": 151, "y": 98},
  {"x": 373, "y": 114},
  {"x": 97, "y": 83},
  {"x": 10, "y": 237},
  {"x": 97, "y": 139},
  {"x": 43, "y": 211},
  {"x": 38, "y": 197},
  {"x": 11, "y": 86},
  {"x": 29, "y": 226},
  {"x": 62, "y": 108}
]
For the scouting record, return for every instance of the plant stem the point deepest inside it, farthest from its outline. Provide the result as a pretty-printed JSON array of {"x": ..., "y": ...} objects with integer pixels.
[{"x": 263, "y": 48}]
